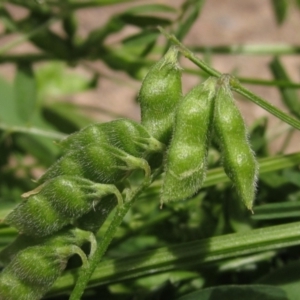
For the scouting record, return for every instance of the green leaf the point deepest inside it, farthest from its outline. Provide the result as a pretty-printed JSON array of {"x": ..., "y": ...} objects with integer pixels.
[
  {"x": 76, "y": 4},
  {"x": 150, "y": 8},
  {"x": 55, "y": 80},
  {"x": 121, "y": 59},
  {"x": 191, "y": 9},
  {"x": 43, "y": 149},
  {"x": 35, "y": 26},
  {"x": 141, "y": 39},
  {"x": 8, "y": 112},
  {"x": 289, "y": 96},
  {"x": 25, "y": 92},
  {"x": 287, "y": 278},
  {"x": 7, "y": 20},
  {"x": 280, "y": 8},
  {"x": 187, "y": 255},
  {"x": 70, "y": 25},
  {"x": 281, "y": 210},
  {"x": 258, "y": 139},
  {"x": 94, "y": 42},
  {"x": 66, "y": 117},
  {"x": 292, "y": 176},
  {"x": 144, "y": 21},
  {"x": 141, "y": 44},
  {"x": 251, "y": 292}
]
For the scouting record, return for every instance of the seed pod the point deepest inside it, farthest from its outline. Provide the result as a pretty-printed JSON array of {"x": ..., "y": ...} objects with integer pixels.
[
  {"x": 187, "y": 155},
  {"x": 105, "y": 164},
  {"x": 93, "y": 220},
  {"x": 33, "y": 270},
  {"x": 58, "y": 202},
  {"x": 124, "y": 134},
  {"x": 67, "y": 235},
  {"x": 238, "y": 159},
  {"x": 159, "y": 95}
]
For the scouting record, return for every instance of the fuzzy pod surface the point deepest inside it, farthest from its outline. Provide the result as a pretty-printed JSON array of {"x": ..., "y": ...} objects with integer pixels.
[
  {"x": 186, "y": 158},
  {"x": 58, "y": 202},
  {"x": 67, "y": 235},
  {"x": 94, "y": 219},
  {"x": 33, "y": 270},
  {"x": 159, "y": 95},
  {"x": 124, "y": 134},
  {"x": 238, "y": 158},
  {"x": 101, "y": 164}
]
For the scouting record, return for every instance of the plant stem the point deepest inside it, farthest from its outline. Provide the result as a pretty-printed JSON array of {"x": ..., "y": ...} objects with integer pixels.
[
  {"x": 32, "y": 130},
  {"x": 235, "y": 85},
  {"x": 264, "y": 82},
  {"x": 278, "y": 83},
  {"x": 86, "y": 273},
  {"x": 260, "y": 49},
  {"x": 190, "y": 55}
]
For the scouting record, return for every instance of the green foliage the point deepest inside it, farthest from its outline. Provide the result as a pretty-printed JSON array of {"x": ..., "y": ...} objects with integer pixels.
[{"x": 104, "y": 181}]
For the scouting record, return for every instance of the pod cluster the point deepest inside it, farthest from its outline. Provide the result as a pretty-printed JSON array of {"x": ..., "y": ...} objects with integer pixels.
[
  {"x": 33, "y": 264},
  {"x": 75, "y": 195},
  {"x": 208, "y": 109}
]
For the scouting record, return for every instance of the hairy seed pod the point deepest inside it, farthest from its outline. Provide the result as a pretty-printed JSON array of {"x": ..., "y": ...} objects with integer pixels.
[
  {"x": 159, "y": 95},
  {"x": 67, "y": 235},
  {"x": 33, "y": 270},
  {"x": 238, "y": 159},
  {"x": 93, "y": 220},
  {"x": 185, "y": 166},
  {"x": 58, "y": 202},
  {"x": 124, "y": 134},
  {"x": 105, "y": 164}
]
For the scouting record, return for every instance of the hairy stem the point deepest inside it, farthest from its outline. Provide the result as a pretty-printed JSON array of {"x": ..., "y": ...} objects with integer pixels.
[{"x": 85, "y": 274}]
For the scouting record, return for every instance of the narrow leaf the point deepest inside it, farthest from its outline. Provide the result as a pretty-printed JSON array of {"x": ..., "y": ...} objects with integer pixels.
[
  {"x": 142, "y": 38},
  {"x": 143, "y": 21},
  {"x": 192, "y": 11},
  {"x": 289, "y": 96},
  {"x": 280, "y": 8},
  {"x": 287, "y": 278},
  {"x": 25, "y": 91},
  {"x": 250, "y": 292},
  {"x": 150, "y": 8},
  {"x": 8, "y": 114},
  {"x": 187, "y": 255}
]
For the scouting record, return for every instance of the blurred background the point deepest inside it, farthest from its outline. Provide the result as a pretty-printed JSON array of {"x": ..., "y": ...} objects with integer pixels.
[{"x": 89, "y": 57}]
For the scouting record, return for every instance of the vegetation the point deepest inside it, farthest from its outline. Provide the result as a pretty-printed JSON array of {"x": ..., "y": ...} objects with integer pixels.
[{"x": 102, "y": 221}]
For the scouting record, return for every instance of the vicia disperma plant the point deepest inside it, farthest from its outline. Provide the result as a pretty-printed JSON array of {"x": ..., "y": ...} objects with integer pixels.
[{"x": 75, "y": 195}]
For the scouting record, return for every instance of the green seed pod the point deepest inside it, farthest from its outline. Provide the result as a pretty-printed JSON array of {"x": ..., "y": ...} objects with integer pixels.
[
  {"x": 124, "y": 134},
  {"x": 105, "y": 164},
  {"x": 238, "y": 159},
  {"x": 187, "y": 155},
  {"x": 68, "y": 235},
  {"x": 33, "y": 270},
  {"x": 93, "y": 220},
  {"x": 58, "y": 202},
  {"x": 159, "y": 95}
]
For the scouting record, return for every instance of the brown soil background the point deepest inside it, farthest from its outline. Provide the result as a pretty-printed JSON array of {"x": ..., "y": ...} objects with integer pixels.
[{"x": 222, "y": 22}]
